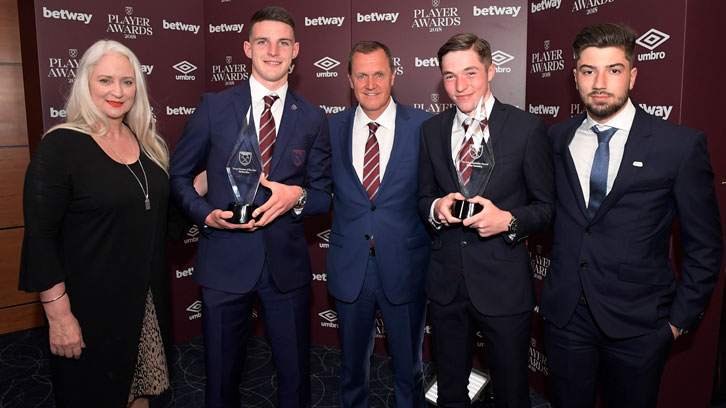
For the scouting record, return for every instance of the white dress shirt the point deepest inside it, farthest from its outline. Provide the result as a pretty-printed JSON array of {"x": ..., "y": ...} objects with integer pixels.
[
  {"x": 584, "y": 144},
  {"x": 258, "y": 93},
  {"x": 384, "y": 135}
]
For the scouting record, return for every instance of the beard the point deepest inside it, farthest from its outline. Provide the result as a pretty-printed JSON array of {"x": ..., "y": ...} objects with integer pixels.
[{"x": 605, "y": 110}]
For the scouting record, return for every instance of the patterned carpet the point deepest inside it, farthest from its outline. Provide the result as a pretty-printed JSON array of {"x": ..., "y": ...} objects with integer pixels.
[{"x": 25, "y": 380}]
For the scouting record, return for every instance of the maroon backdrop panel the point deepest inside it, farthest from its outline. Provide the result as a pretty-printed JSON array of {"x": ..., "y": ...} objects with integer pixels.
[
  {"x": 661, "y": 88},
  {"x": 186, "y": 51}
]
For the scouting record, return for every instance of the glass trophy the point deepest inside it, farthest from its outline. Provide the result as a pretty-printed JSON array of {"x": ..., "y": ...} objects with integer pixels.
[
  {"x": 244, "y": 169},
  {"x": 481, "y": 160}
]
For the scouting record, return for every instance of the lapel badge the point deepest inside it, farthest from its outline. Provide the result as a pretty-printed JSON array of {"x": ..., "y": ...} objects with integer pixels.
[
  {"x": 637, "y": 164},
  {"x": 293, "y": 107}
]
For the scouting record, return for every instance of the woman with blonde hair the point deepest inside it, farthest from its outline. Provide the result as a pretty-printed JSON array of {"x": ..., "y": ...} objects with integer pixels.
[{"x": 95, "y": 207}]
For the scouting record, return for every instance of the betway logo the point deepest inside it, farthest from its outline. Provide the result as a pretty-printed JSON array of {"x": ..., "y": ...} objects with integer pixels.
[
  {"x": 497, "y": 11},
  {"x": 226, "y": 28},
  {"x": 425, "y": 62},
  {"x": 661, "y": 111},
  {"x": 67, "y": 15},
  {"x": 57, "y": 113},
  {"x": 179, "y": 26},
  {"x": 186, "y": 272},
  {"x": 330, "y": 110},
  {"x": 182, "y": 110},
  {"x": 323, "y": 21},
  {"x": 545, "y": 5},
  {"x": 544, "y": 110},
  {"x": 376, "y": 16},
  {"x": 146, "y": 69}
]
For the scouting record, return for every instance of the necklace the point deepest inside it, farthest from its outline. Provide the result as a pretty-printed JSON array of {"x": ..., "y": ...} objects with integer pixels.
[{"x": 145, "y": 192}]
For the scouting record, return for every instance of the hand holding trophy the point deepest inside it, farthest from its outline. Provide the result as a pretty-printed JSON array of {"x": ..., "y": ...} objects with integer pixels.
[
  {"x": 244, "y": 169},
  {"x": 475, "y": 164}
]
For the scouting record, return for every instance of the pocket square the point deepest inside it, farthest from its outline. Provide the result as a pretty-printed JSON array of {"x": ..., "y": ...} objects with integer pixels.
[{"x": 637, "y": 164}]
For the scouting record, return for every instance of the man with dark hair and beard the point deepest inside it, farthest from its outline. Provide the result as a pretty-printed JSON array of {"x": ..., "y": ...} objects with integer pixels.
[{"x": 612, "y": 303}]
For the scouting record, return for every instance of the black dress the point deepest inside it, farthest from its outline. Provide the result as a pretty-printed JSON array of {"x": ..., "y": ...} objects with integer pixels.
[{"x": 86, "y": 224}]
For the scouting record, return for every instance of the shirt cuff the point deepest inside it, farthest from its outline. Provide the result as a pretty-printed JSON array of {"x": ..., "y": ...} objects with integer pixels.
[{"x": 432, "y": 220}]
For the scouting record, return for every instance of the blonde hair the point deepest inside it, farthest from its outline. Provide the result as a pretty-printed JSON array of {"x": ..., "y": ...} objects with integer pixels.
[{"x": 84, "y": 116}]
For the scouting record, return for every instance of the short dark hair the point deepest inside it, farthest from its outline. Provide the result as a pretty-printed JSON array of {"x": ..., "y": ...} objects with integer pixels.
[
  {"x": 368, "y": 47},
  {"x": 606, "y": 35},
  {"x": 467, "y": 41},
  {"x": 273, "y": 13}
]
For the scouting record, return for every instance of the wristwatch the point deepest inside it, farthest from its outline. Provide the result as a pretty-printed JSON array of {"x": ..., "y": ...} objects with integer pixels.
[
  {"x": 302, "y": 200},
  {"x": 513, "y": 224}
]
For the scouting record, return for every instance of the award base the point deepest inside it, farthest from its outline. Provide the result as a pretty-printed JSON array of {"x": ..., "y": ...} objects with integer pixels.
[
  {"x": 463, "y": 209},
  {"x": 241, "y": 213}
]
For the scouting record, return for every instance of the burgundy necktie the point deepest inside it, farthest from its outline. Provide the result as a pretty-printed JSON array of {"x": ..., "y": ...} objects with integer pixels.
[
  {"x": 466, "y": 153},
  {"x": 371, "y": 170},
  {"x": 267, "y": 133}
]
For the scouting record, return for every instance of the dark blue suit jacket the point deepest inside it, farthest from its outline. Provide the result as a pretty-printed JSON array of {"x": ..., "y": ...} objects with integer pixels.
[
  {"x": 498, "y": 274},
  {"x": 401, "y": 241},
  {"x": 232, "y": 260},
  {"x": 621, "y": 259}
]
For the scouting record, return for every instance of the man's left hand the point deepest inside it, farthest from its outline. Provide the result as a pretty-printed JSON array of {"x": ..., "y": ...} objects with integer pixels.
[
  {"x": 489, "y": 221},
  {"x": 283, "y": 198}
]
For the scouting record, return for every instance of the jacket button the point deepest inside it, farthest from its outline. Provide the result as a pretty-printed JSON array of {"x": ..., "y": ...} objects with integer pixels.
[
  {"x": 588, "y": 231},
  {"x": 583, "y": 265},
  {"x": 464, "y": 243},
  {"x": 367, "y": 237},
  {"x": 373, "y": 208}
]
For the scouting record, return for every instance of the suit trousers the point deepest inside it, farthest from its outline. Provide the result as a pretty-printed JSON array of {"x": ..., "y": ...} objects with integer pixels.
[
  {"x": 582, "y": 358},
  {"x": 404, "y": 328},
  {"x": 506, "y": 343},
  {"x": 226, "y": 324}
]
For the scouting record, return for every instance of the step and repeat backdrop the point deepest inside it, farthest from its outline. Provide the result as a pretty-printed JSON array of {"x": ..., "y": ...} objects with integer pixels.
[{"x": 197, "y": 46}]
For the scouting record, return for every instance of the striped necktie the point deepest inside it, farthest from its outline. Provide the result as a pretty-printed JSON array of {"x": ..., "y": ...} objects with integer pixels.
[
  {"x": 371, "y": 168},
  {"x": 267, "y": 133}
]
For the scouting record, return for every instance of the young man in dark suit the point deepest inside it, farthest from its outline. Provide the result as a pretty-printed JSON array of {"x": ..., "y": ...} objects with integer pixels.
[
  {"x": 265, "y": 258},
  {"x": 480, "y": 276},
  {"x": 612, "y": 302},
  {"x": 379, "y": 247}
]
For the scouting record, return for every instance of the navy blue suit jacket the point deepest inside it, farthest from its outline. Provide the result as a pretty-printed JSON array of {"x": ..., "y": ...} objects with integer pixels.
[
  {"x": 498, "y": 274},
  {"x": 621, "y": 259},
  {"x": 401, "y": 241},
  {"x": 232, "y": 260}
]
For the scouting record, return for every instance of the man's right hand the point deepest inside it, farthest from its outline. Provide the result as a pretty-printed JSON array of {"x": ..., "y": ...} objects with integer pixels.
[
  {"x": 442, "y": 209},
  {"x": 216, "y": 219}
]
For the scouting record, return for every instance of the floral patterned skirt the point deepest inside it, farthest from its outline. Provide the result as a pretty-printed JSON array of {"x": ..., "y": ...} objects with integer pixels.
[{"x": 151, "y": 376}]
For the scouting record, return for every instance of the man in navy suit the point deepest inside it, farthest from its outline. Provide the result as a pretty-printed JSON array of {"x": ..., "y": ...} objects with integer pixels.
[
  {"x": 379, "y": 247},
  {"x": 480, "y": 276},
  {"x": 612, "y": 302},
  {"x": 268, "y": 258}
]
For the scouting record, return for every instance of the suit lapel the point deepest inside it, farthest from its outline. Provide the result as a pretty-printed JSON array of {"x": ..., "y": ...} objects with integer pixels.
[
  {"x": 636, "y": 149},
  {"x": 398, "y": 146},
  {"x": 570, "y": 168},
  {"x": 346, "y": 147},
  {"x": 447, "y": 121},
  {"x": 289, "y": 116},
  {"x": 496, "y": 124},
  {"x": 242, "y": 103}
]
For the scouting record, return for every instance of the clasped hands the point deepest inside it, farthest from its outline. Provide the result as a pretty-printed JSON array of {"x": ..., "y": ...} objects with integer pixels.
[
  {"x": 490, "y": 221},
  {"x": 282, "y": 199}
]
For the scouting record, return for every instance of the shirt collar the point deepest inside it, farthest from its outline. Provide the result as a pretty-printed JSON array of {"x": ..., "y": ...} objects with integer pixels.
[
  {"x": 483, "y": 113},
  {"x": 621, "y": 121},
  {"x": 386, "y": 120},
  {"x": 258, "y": 91}
]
